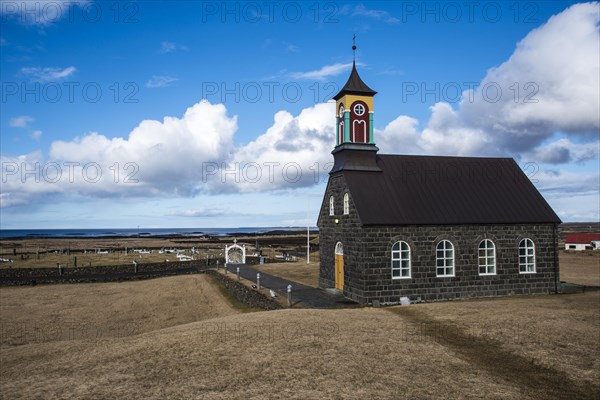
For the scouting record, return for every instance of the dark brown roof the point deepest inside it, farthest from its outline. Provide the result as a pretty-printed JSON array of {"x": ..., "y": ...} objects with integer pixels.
[
  {"x": 431, "y": 190},
  {"x": 355, "y": 85}
]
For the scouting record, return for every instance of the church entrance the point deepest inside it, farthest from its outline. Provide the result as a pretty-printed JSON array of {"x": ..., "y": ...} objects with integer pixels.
[{"x": 339, "y": 266}]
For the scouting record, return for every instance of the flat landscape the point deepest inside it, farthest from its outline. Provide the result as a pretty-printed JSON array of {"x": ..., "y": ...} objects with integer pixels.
[{"x": 180, "y": 337}]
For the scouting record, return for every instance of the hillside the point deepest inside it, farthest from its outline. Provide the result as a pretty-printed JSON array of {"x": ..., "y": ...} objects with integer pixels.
[{"x": 190, "y": 343}]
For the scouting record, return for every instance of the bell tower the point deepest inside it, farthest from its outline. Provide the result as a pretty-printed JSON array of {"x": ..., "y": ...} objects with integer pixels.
[
  {"x": 354, "y": 145},
  {"x": 354, "y": 109}
]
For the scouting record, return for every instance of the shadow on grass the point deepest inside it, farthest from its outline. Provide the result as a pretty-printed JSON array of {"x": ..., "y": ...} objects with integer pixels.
[{"x": 534, "y": 380}]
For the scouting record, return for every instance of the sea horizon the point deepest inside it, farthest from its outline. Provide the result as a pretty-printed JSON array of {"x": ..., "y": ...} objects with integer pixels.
[{"x": 142, "y": 232}]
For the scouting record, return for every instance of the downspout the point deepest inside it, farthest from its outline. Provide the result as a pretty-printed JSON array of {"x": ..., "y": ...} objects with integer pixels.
[{"x": 555, "y": 245}]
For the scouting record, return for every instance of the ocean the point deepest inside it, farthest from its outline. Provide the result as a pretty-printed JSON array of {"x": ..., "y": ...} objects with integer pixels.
[{"x": 132, "y": 232}]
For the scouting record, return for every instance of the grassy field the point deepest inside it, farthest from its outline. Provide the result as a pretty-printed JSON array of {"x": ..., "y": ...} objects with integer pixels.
[
  {"x": 297, "y": 271},
  {"x": 180, "y": 337}
]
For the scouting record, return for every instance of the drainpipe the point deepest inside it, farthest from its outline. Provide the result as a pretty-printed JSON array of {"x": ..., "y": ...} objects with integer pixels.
[{"x": 554, "y": 245}]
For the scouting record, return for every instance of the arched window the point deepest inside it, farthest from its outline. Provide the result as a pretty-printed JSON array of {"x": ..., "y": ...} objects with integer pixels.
[
  {"x": 444, "y": 259},
  {"x": 346, "y": 204},
  {"x": 487, "y": 257},
  {"x": 331, "y": 209},
  {"x": 526, "y": 256},
  {"x": 400, "y": 260}
]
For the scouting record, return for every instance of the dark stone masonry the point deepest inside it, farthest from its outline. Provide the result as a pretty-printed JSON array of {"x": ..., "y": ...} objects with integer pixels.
[{"x": 367, "y": 257}]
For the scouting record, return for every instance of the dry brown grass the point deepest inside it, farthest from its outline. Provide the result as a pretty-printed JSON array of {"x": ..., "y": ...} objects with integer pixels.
[
  {"x": 106, "y": 310},
  {"x": 579, "y": 267},
  {"x": 297, "y": 271},
  {"x": 316, "y": 354},
  {"x": 192, "y": 344}
]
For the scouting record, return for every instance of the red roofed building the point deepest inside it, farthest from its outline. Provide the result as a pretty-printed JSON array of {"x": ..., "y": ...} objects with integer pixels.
[{"x": 582, "y": 241}]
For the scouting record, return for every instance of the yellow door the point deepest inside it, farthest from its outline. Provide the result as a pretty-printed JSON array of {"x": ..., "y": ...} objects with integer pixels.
[
  {"x": 339, "y": 266},
  {"x": 339, "y": 271}
]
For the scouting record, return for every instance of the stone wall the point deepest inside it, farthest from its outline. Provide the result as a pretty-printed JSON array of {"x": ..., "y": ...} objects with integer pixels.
[
  {"x": 367, "y": 257},
  {"x": 22, "y": 276},
  {"x": 246, "y": 295}
]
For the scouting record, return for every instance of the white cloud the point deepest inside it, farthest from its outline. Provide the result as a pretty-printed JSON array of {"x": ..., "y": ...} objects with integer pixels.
[
  {"x": 156, "y": 159},
  {"x": 36, "y": 135},
  {"x": 362, "y": 11},
  {"x": 170, "y": 47},
  {"x": 198, "y": 213},
  {"x": 567, "y": 100},
  {"x": 20, "y": 121},
  {"x": 564, "y": 151},
  {"x": 47, "y": 74},
  {"x": 293, "y": 152},
  {"x": 39, "y": 12},
  {"x": 160, "y": 81},
  {"x": 549, "y": 84},
  {"x": 323, "y": 73}
]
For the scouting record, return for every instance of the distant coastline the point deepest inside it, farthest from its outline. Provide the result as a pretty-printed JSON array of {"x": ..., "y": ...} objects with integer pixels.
[{"x": 143, "y": 232}]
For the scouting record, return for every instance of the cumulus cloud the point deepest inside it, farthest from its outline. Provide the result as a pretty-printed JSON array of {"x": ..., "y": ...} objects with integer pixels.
[
  {"x": 565, "y": 151},
  {"x": 47, "y": 74},
  {"x": 521, "y": 105},
  {"x": 196, "y": 153},
  {"x": 21, "y": 121},
  {"x": 157, "y": 158},
  {"x": 160, "y": 81},
  {"x": 549, "y": 84},
  {"x": 179, "y": 157},
  {"x": 293, "y": 152}
]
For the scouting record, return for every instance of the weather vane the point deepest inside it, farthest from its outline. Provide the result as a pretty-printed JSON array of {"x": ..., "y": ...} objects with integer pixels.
[{"x": 353, "y": 48}]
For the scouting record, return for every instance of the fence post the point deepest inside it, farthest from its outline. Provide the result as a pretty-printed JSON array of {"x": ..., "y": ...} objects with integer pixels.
[
  {"x": 226, "y": 269},
  {"x": 59, "y": 268},
  {"x": 238, "y": 273},
  {"x": 258, "y": 280},
  {"x": 289, "y": 295}
]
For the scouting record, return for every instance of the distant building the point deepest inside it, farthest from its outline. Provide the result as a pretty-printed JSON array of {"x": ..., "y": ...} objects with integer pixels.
[
  {"x": 582, "y": 241},
  {"x": 428, "y": 227}
]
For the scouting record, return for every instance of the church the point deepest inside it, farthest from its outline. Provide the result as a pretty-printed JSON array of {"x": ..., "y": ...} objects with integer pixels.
[{"x": 428, "y": 227}]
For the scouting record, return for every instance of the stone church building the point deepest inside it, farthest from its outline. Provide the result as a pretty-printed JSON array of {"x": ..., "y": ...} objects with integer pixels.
[{"x": 428, "y": 227}]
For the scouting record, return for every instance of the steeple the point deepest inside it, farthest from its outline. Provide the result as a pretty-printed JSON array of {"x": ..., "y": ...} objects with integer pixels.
[
  {"x": 355, "y": 85},
  {"x": 355, "y": 148}
]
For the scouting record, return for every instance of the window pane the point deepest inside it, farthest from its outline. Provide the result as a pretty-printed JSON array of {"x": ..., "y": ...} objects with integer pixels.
[
  {"x": 395, "y": 273},
  {"x": 396, "y": 264},
  {"x": 396, "y": 246}
]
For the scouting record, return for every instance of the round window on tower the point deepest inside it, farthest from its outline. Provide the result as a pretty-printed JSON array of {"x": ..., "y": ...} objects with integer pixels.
[
  {"x": 359, "y": 109},
  {"x": 342, "y": 111}
]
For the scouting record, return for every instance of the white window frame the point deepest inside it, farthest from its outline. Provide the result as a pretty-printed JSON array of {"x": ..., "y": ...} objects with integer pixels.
[
  {"x": 401, "y": 256},
  {"x": 346, "y": 204},
  {"x": 527, "y": 260},
  {"x": 331, "y": 206},
  {"x": 359, "y": 107},
  {"x": 447, "y": 263},
  {"x": 484, "y": 260}
]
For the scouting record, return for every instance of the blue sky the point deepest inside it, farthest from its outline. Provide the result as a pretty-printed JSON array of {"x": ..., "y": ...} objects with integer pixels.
[{"x": 212, "y": 114}]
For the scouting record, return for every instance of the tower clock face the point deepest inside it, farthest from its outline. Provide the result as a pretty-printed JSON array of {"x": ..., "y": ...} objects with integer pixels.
[
  {"x": 359, "y": 109},
  {"x": 342, "y": 111}
]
